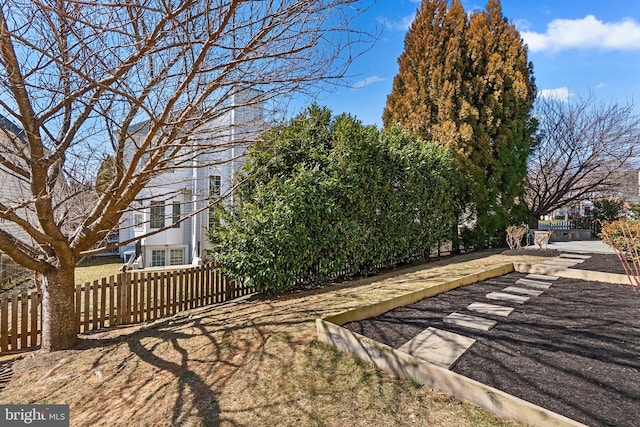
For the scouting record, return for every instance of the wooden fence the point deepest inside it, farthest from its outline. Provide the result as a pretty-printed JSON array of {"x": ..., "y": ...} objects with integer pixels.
[
  {"x": 127, "y": 298},
  {"x": 584, "y": 223}
]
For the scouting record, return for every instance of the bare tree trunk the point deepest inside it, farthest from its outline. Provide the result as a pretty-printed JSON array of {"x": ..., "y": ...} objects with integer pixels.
[
  {"x": 59, "y": 327},
  {"x": 455, "y": 240}
]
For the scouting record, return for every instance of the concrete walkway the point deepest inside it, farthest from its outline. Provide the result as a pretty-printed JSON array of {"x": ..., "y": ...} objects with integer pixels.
[{"x": 578, "y": 246}]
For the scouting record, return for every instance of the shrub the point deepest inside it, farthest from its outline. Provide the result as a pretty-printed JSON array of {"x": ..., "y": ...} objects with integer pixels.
[
  {"x": 624, "y": 236},
  {"x": 324, "y": 197},
  {"x": 606, "y": 210},
  {"x": 514, "y": 236}
]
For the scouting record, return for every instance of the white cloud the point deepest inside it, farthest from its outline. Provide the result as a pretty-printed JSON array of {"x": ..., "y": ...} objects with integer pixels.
[
  {"x": 522, "y": 24},
  {"x": 402, "y": 25},
  {"x": 601, "y": 85},
  {"x": 559, "y": 94},
  {"x": 586, "y": 33},
  {"x": 366, "y": 82}
]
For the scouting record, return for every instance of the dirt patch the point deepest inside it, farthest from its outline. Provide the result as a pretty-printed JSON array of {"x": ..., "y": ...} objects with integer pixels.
[{"x": 574, "y": 349}]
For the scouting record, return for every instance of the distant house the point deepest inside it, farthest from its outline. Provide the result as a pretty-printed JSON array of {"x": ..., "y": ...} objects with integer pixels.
[
  {"x": 15, "y": 190},
  {"x": 625, "y": 187},
  {"x": 15, "y": 187},
  {"x": 176, "y": 193}
]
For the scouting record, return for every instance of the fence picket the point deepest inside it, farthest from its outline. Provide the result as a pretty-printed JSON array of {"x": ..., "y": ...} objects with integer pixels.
[
  {"x": 78, "y": 300},
  {"x": 201, "y": 287},
  {"x": 193, "y": 288},
  {"x": 155, "y": 296},
  {"x": 163, "y": 284},
  {"x": 133, "y": 284},
  {"x": 35, "y": 314},
  {"x": 148, "y": 290},
  {"x": 85, "y": 309},
  {"x": 174, "y": 287},
  {"x": 112, "y": 303},
  {"x": 95, "y": 304},
  {"x": 24, "y": 318},
  {"x": 4, "y": 323},
  {"x": 103, "y": 301},
  {"x": 126, "y": 279},
  {"x": 14, "y": 320}
]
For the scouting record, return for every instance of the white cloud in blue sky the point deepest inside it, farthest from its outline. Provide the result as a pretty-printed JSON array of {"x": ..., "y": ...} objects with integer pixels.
[
  {"x": 559, "y": 94},
  {"x": 585, "y": 33},
  {"x": 402, "y": 24},
  {"x": 366, "y": 82}
]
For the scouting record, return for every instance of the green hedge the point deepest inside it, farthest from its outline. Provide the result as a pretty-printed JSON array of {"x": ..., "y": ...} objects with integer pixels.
[{"x": 324, "y": 196}]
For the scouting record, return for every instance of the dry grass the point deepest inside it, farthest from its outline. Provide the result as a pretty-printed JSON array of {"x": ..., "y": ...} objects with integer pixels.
[
  {"x": 96, "y": 268},
  {"x": 253, "y": 361}
]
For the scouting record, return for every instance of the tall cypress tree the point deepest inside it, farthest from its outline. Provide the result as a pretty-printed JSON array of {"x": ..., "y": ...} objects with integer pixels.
[{"x": 466, "y": 83}]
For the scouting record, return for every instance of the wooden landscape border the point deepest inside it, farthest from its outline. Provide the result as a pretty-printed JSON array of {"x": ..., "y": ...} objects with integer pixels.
[{"x": 399, "y": 363}]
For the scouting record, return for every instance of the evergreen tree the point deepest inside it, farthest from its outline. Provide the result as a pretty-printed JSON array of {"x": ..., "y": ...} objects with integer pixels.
[{"x": 465, "y": 82}]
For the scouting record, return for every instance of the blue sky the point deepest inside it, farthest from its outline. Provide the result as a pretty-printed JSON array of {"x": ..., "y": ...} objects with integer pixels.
[{"x": 578, "y": 48}]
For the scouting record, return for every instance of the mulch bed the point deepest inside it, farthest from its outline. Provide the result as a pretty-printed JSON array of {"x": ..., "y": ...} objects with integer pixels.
[
  {"x": 575, "y": 349},
  {"x": 608, "y": 263},
  {"x": 532, "y": 252}
]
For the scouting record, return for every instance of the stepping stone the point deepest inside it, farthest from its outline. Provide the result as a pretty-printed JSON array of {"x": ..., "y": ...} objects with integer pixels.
[
  {"x": 565, "y": 259},
  {"x": 469, "y": 321},
  {"x": 540, "y": 277},
  {"x": 575, "y": 256},
  {"x": 442, "y": 348},
  {"x": 558, "y": 264},
  {"x": 517, "y": 290},
  {"x": 501, "y": 296},
  {"x": 533, "y": 283},
  {"x": 484, "y": 308}
]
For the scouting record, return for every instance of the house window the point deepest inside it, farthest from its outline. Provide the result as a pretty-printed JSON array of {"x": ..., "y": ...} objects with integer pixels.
[
  {"x": 175, "y": 216},
  {"x": 157, "y": 258},
  {"x": 157, "y": 215},
  {"x": 138, "y": 216},
  {"x": 176, "y": 256},
  {"x": 214, "y": 186},
  {"x": 138, "y": 220},
  {"x": 214, "y": 192}
]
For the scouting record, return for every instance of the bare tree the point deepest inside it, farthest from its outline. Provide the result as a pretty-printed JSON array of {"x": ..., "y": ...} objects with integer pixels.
[
  {"x": 582, "y": 147},
  {"x": 78, "y": 77}
]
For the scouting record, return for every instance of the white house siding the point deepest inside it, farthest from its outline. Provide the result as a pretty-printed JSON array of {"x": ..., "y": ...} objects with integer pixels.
[
  {"x": 190, "y": 237},
  {"x": 15, "y": 189}
]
